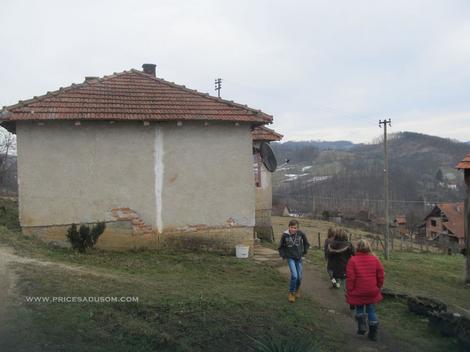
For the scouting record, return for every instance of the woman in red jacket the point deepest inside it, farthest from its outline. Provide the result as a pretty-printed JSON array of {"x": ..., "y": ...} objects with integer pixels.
[{"x": 365, "y": 278}]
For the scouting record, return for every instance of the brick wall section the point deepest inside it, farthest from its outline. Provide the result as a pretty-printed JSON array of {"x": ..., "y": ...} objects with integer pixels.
[
  {"x": 129, "y": 231},
  {"x": 139, "y": 227}
]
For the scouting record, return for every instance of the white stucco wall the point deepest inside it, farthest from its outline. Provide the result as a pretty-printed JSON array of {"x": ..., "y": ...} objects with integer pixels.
[
  {"x": 71, "y": 173},
  {"x": 264, "y": 194},
  {"x": 208, "y": 175}
]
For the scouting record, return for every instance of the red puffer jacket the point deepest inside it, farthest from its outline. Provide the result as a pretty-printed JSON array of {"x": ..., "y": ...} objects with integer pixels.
[{"x": 364, "y": 279}]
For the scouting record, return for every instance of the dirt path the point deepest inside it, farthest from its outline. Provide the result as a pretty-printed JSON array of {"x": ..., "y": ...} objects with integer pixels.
[
  {"x": 316, "y": 285},
  {"x": 8, "y": 279}
]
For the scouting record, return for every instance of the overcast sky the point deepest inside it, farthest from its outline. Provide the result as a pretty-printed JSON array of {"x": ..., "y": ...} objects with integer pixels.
[{"x": 324, "y": 69}]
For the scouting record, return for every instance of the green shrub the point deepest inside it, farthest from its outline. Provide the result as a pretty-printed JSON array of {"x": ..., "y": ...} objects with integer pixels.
[{"x": 85, "y": 238}]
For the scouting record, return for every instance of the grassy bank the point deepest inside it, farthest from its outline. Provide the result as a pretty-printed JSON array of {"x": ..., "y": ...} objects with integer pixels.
[{"x": 187, "y": 301}]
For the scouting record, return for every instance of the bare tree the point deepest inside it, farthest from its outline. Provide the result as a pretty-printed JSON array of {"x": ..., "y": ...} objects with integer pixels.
[{"x": 7, "y": 148}]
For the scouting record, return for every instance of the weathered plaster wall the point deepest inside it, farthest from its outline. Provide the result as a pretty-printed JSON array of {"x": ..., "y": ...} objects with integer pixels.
[
  {"x": 192, "y": 183},
  {"x": 71, "y": 173},
  {"x": 264, "y": 206},
  {"x": 264, "y": 198},
  {"x": 208, "y": 176}
]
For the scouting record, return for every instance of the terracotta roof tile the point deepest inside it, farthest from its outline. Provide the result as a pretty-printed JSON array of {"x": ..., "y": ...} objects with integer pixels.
[
  {"x": 262, "y": 133},
  {"x": 454, "y": 213},
  {"x": 465, "y": 163},
  {"x": 400, "y": 219},
  {"x": 130, "y": 95}
]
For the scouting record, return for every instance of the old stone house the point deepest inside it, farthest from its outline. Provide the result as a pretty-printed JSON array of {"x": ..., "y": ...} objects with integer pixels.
[
  {"x": 263, "y": 183},
  {"x": 399, "y": 225},
  {"x": 160, "y": 163},
  {"x": 445, "y": 224}
]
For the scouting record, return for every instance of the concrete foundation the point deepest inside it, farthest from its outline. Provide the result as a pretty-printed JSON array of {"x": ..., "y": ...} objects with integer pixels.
[{"x": 121, "y": 235}]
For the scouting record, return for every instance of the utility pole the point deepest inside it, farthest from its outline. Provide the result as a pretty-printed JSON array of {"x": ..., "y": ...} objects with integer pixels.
[
  {"x": 387, "y": 221},
  {"x": 218, "y": 85}
]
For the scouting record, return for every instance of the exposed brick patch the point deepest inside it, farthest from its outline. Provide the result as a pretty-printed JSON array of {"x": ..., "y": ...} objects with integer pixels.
[{"x": 139, "y": 227}]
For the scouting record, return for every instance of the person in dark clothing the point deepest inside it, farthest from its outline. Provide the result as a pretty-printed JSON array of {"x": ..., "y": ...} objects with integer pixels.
[
  {"x": 339, "y": 251},
  {"x": 328, "y": 240},
  {"x": 293, "y": 246}
]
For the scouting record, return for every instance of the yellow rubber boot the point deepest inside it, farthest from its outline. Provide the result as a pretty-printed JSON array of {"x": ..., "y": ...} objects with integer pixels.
[
  {"x": 297, "y": 293},
  {"x": 291, "y": 297}
]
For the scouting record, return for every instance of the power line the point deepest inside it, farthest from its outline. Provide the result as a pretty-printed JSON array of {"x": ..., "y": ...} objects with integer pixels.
[
  {"x": 375, "y": 200},
  {"x": 298, "y": 196}
]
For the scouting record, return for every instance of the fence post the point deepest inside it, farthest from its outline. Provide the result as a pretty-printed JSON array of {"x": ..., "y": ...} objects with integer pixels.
[
  {"x": 319, "y": 241},
  {"x": 401, "y": 243}
]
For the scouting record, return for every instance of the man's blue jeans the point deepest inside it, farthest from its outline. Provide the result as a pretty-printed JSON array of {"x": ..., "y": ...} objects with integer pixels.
[
  {"x": 295, "y": 266},
  {"x": 370, "y": 309}
]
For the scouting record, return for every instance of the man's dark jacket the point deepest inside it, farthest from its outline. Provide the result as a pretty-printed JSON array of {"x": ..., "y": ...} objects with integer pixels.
[{"x": 293, "y": 246}]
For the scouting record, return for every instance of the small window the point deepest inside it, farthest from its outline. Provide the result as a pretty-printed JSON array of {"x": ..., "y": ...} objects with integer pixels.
[{"x": 433, "y": 223}]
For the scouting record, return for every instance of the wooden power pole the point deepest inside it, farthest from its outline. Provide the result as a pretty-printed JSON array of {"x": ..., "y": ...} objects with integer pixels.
[
  {"x": 218, "y": 85},
  {"x": 465, "y": 166},
  {"x": 386, "y": 192}
]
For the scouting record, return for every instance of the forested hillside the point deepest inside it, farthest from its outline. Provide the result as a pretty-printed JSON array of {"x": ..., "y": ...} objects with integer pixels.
[{"x": 421, "y": 172}]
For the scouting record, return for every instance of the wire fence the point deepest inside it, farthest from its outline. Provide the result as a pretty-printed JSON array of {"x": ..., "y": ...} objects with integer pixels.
[{"x": 401, "y": 243}]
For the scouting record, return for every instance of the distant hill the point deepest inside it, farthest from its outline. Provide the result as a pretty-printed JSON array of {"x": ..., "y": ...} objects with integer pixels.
[
  {"x": 336, "y": 145},
  {"x": 304, "y": 150},
  {"x": 415, "y": 160}
]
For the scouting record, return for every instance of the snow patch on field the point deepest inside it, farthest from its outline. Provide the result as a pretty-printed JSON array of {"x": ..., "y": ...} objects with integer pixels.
[
  {"x": 316, "y": 179},
  {"x": 293, "y": 177}
]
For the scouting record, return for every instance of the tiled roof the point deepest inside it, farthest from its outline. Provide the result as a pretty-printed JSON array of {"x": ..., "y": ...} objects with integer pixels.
[
  {"x": 465, "y": 163},
  {"x": 262, "y": 133},
  {"x": 130, "y": 95},
  {"x": 454, "y": 213},
  {"x": 400, "y": 219}
]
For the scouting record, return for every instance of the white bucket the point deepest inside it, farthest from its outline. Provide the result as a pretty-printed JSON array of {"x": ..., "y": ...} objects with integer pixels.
[{"x": 242, "y": 251}]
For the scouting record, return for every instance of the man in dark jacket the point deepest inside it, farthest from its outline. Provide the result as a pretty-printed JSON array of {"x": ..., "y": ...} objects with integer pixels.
[{"x": 293, "y": 246}]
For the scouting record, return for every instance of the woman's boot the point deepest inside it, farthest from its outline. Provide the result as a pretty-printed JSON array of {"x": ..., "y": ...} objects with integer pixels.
[
  {"x": 373, "y": 330},
  {"x": 361, "y": 323}
]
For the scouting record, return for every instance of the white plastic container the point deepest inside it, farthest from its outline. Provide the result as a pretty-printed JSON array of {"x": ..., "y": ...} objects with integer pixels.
[{"x": 242, "y": 251}]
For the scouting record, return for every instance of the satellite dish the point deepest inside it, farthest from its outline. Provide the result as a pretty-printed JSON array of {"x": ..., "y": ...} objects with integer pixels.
[{"x": 268, "y": 157}]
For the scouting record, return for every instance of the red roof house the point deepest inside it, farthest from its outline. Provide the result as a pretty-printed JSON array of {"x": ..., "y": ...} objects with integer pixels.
[{"x": 157, "y": 161}]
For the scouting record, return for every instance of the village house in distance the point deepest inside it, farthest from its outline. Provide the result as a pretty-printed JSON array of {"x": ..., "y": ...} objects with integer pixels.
[
  {"x": 160, "y": 163},
  {"x": 445, "y": 224}
]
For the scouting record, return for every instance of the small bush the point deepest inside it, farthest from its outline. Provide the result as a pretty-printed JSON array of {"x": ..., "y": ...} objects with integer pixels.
[{"x": 85, "y": 238}]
